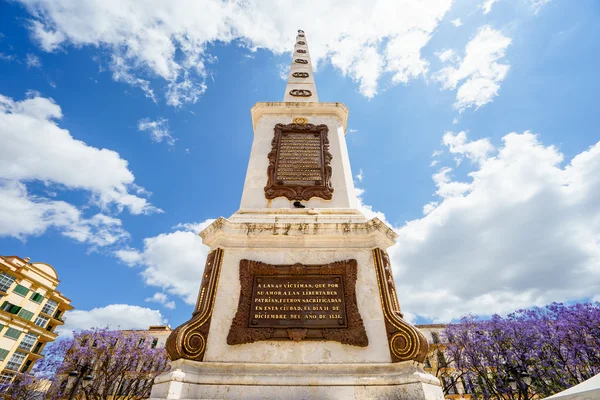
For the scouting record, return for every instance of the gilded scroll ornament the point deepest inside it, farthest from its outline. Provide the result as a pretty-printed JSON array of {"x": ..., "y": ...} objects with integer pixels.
[
  {"x": 301, "y": 42},
  {"x": 302, "y": 51},
  {"x": 405, "y": 341},
  {"x": 300, "y": 61},
  {"x": 300, "y": 120},
  {"x": 300, "y": 74},
  {"x": 300, "y": 31},
  {"x": 188, "y": 340},
  {"x": 300, "y": 92}
]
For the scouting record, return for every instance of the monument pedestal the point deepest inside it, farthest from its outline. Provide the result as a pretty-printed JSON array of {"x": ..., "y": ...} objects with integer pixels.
[
  {"x": 297, "y": 299},
  {"x": 189, "y": 380}
]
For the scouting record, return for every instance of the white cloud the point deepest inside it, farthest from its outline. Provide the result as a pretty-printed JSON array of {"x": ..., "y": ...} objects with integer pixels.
[
  {"x": 22, "y": 215},
  {"x": 366, "y": 209},
  {"x": 476, "y": 151},
  {"x": 113, "y": 316},
  {"x": 487, "y": 6},
  {"x": 163, "y": 299},
  {"x": 168, "y": 40},
  {"x": 479, "y": 74},
  {"x": 172, "y": 261},
  {"x": 447, "y": 55},
  {"x": 360, "y": 175},
  {"x": 34, "y": 147},
  {"x": 158, "y": 130},
  {"x": 537, "y": 5},
  {"x": 32, "y": 61},
  {"x": 456, "y": 22},
  {"x": 284, "y": 71},
  {"x": 524, "y": 230}
]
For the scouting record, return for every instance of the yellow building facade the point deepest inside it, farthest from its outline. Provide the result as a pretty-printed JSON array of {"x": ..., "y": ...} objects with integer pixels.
[{"x": 30, "y": 310}]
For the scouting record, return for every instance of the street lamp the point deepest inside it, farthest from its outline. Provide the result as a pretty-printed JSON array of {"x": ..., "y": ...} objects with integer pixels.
[
  {"x": 519, "y": 380},
  {"x": 81, "y": 372}
]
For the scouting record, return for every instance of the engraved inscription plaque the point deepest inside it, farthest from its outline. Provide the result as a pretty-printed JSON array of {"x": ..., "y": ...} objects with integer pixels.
[
  {"x": 298, "y": 302},
  {"x": 299, "y": 163},
  {"x": 300, "y": 159},
  {"x": 311, "y": 301}
]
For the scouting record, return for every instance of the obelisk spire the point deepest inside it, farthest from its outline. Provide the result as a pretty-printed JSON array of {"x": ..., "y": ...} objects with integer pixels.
[{"x": 301, "y": 82}]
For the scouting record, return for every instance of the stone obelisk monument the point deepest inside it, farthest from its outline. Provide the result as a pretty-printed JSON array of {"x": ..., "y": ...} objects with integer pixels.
[{"x": 298, "y": 299}]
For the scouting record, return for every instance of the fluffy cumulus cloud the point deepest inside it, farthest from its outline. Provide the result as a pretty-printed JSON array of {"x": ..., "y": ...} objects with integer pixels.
[
  {"x": 36, "y": 149},
  {"x": 486, "y": 7},
  {"x": 173, "y": 261},
  {"x": 163, "y": 299},
  {"x": 522, "y": 230},
  {"x": 476, "y": 77},
  {"x": 114, "y": 316},
  {"x": 158, "y": 130},
  {"x": 168, "y": 40}
]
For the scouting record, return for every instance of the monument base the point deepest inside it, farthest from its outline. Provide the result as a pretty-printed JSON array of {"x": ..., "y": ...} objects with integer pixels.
[{"x": 190, "y": 380}]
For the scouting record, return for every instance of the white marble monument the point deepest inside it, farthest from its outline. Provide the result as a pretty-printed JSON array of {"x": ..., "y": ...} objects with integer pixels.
[{"x": 298, "y": 299}]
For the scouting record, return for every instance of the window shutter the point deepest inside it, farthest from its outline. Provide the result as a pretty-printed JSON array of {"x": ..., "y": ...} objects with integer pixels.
[
  {"x": 13, "y": 333},
  {"x": 25, "y": 314},
  {"x": 3, "y": 354},
  {"x": 22, "y": 290}
]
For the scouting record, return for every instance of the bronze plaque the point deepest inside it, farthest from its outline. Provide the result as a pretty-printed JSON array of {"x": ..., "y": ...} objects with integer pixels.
[
  {"x": 299, "y": 163},
  {"x": 298, "y": 302},
  {"x": 287, "y": 301}
]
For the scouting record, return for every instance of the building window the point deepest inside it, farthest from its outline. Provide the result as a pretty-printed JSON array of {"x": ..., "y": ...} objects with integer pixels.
[
  {"x": 25, "y": 314},
  {"x": 26, "y": 366},
  {"x": 13, "y": 333},
  {"x": 427, "y": 363},
  {"x": 11, "y": 308},
  {"x": 41, "y": 321},
  {"x": 442, "y": 363},
  {"x": 6, "y": 281},
  {"x": 141, "y": 342},
  {"x": 49, "y": 307},
  {"x": 154, "y": 343},
  {"x": 449, "y": 386},
  {"x": 28, "y": 341},
  {"x": 38, "y": 347},
  {"x": 436, "y": 337},
  {"x": 16, "y": 360},
  {"x": 22, "y": 290},
  {"x": 37, "y": 297},
  {"x": 6, "y": 378},
  {"x": 3, "y": 354}
]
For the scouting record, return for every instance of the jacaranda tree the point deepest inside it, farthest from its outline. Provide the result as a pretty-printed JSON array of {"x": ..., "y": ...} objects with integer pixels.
[
  {"x": 556, "y": 346},
  {"x": 121, "y": 364}
]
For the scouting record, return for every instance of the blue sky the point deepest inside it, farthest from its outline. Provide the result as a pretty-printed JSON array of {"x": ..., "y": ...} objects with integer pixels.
[{"x": 473, "y": 132}]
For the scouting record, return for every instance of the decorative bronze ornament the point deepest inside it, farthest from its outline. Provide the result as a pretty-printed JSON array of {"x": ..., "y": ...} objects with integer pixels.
[
  {"x": 300, "y": 74},
  {"x": 300, "y": 61},
  {"x": 301, "y": 51},
  {"x": 301, "y": 35},
  {"x": 301, "y": 42},
  {"x": 350, "y": 331},
  {"x": 286, "y": 177},
  {"x": 405, "y": 341},
  {"x": 188, "y": 340},
  {"x": 300, "y": 92},
  {"x": 300, "y": 31},
  {"x": 300, "y": 120}
]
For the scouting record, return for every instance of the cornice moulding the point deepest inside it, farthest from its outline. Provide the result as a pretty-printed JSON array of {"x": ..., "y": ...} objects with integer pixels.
[
  {"x": 291, "y": 109},
  {"x": 277, "y": 235}
]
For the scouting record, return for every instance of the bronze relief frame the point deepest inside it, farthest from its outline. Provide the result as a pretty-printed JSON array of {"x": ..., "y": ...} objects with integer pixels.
[
  {"x": 276, "y": 188},
  {"x": 353, "y": 333}
]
